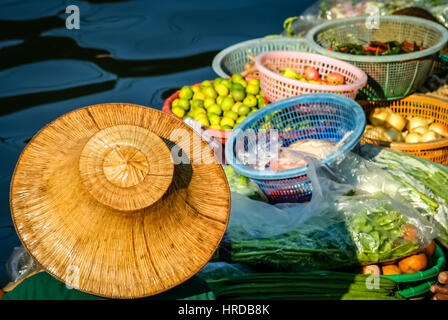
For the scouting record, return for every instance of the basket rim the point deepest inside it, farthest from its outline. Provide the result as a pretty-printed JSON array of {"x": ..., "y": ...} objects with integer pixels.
[
  {"x": 313, "y": 86},
  {"x": 216, "y": 63},
  {"x": 421, "y": 146},
  {"x": 354, "y": 138},
  {"x": 311, "y": 35}
]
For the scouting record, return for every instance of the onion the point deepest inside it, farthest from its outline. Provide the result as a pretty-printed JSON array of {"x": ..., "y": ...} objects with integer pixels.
[
  {"x": 429, "y": 136},
  {"x": 396, "y": 121},
  {"x": 439, "y": 128},
  {"x": 378, "y": 116},
  {"x": 420, "y": 130},
  {"x": 412, "y": 138},
  {"x": 416, "y": 122},
  {"x": 377, "y": 133},
  {"x": 393, "y": 135}
]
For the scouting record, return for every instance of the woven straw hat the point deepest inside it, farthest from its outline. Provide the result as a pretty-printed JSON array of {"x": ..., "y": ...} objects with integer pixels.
[{"x": 98, "y": 201}]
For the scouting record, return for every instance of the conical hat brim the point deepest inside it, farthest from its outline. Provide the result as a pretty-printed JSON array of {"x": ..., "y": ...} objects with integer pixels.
[{"x": 104, "y": 251}]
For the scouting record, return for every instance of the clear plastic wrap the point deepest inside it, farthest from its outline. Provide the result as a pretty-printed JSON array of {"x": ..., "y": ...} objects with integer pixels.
[
  {"x": 324, "y": 10},
  {"x": 343, "y": 225},
  {"x": 20, "y": 264}
]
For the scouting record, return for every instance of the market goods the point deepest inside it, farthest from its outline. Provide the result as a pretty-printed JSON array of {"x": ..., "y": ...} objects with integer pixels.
[
  {"x": 377, "y": 48},
  {"x": 356, "y": 230},
  {"x": 314, "y": 285},
  {"x": 424, "y": 184},
  {"x": 311, "y": 75},
  {"x": 390, "y": 269},
  {"x": 221, "y": 104},
  {"x": 387, "y": 125},
  {"x": 242, "y": 185},
  {"x": 413, "y": 264}
]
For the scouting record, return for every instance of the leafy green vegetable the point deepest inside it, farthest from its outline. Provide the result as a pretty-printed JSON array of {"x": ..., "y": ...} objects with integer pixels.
[
  {"x": 424, "y": 184},
  {"x": 358, "y": 230}
]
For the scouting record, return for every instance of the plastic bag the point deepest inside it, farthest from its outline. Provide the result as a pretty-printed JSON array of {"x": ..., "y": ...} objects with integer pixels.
[
  {"x": 243, "y": 185},
  {"x": 20, "y": 264},
  {"x": 324, "y": 10},
  {"x": 220, "y": 269},
  {"x": 343, "y": 225}
]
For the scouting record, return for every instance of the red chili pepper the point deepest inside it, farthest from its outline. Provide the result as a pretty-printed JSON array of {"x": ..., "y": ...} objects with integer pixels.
[
  {"x": 343, "y": 48},
  {"x": 369, "y": 48},
  {"x": 408, "y": 44},
  {"x": 420, "y": 48},
  {"x": 330, "y": 48}
]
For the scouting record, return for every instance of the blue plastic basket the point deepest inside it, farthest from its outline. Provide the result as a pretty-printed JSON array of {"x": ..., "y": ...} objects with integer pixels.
[{"x": 322, "y": 116}]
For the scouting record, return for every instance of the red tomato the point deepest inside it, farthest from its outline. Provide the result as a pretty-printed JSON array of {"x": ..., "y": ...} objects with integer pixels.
[{"x": 335, "y": 78}]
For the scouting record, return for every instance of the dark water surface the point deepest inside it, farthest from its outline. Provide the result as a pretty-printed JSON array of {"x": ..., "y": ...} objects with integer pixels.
[{"x": 125, "y": 51}]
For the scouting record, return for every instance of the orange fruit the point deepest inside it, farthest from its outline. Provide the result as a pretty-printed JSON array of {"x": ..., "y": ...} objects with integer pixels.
[
  {"x": 413, "y": 264},
  {"x": 371, "y": 269},
  {"x": 430, "y": 249},
  {"x": 391, "y": 269},
  {"x": 409, "y": 233}
]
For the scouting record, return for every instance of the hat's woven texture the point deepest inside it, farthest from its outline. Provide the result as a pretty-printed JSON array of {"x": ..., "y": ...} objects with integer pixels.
[{"x": 97, "y": 200}]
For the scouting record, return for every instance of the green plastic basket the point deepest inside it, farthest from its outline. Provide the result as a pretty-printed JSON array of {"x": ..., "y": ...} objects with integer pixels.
[
  {"x": 390, "y": 77},
  {"x": 234, "y": 58},
  {"x": 416, "y": 284}
]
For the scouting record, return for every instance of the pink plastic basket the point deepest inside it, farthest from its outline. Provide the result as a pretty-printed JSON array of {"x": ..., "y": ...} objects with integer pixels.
[{"x": 276, "y": 87}]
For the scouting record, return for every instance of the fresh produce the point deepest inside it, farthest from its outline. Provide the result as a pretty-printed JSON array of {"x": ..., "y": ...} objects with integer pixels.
[
  {"x": 413, "y": 264},
  {"x": 314, "y": 285},
  {"x": 250, "y": 68},
  {"x": 360, "y": 229},
  {"x": 422, "y": 183},
  {"x": 242, "y": 185},
  {"x": 387, "y": 125},
  {"x": 221, "y": 104},
  {"x": 311, "y": 75},
  {"x": 377, "y": 48}
]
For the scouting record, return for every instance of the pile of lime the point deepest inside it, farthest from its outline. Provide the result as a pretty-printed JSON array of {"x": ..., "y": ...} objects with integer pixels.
[{"x": 220, "y": 104}]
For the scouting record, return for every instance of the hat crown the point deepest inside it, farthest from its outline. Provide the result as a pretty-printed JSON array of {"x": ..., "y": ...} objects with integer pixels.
[{"x": 126, "y": 167}]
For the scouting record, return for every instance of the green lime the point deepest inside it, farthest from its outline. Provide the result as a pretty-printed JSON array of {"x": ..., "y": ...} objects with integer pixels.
[
  {"x": 186, "y": 93},
  {"x": 175, "y": 103},
  {"x": 219, "y": 99},
  {"x": 195, "y": 89},
  {"x": 203, "y": 120},
  {"x": 250, "y": 101},
  {"x": 227, "y": 103},
  {"x": 208, "y": 102},
  {"x": 214, "y": 119},
  {"x": 231, "y": 114},
  {"x": 236, "y": 106},
  {"x": 227, "y": 122},
  {"x": 217, "y": 81},
  {"x": 235, "y": 86},
  {"x": 215, "y": 126},
  {"x": 199, "y": 111},
  {"x": 252, "y": 89},
  {"x": 214, "y": 108},
  {"x": 178, "y": 112},
  {"x": 184, "y": 104},
  {"x": 254, "y": 82},
  {"x": 199, "y": 96},
  {"x": 222, "y": 89},
  {"x": 242, "y": 82},
  {"x": 197, "y": 104},
  {"x": 226, "y": 127},
  {"x": 237, "y": 76},
  {"x": 261, "y": 103},
  {"x": 227, "y": 83},
  {"x": 238, "y": 94},
  {"x": 209, "y": 92},
  {"x": 240, "y": 119},
  {"x": 252, "y": 110},
  {"x": 243, "y": 110},
  {"x": 206, "y": 83}
]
